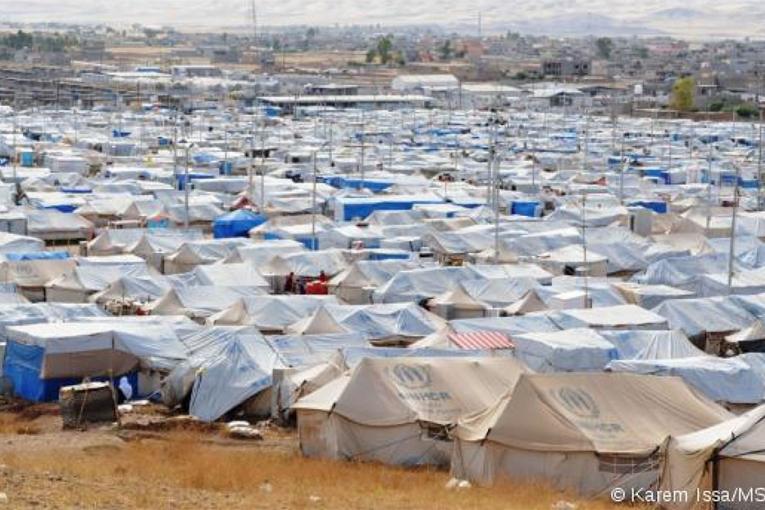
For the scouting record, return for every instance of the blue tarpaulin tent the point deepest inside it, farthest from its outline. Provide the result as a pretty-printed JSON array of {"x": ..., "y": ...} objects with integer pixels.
[
  {"x": 236, "y": 223},
  {"x": 37, "y": 255},
  {"x": 525, "y": 208},
  {"x": 23, "y": 366}
]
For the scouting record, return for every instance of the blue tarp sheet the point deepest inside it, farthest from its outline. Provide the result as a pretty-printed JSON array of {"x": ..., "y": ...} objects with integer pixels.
[
  {"x": 236, "y": 224},
  {"x": 528, "y": 208},
  {"x": 654, "y": 205},
  {"x": 22, "y": 366},
  {"x": 37, "y": 255}
]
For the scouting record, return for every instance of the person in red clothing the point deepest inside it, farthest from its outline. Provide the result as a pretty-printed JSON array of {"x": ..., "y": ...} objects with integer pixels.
[{"x": 323, "y": 277}]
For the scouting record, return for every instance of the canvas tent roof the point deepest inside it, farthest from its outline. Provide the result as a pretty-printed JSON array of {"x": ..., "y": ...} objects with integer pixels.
[
  {"x": 383, "y": 392},
  {"x": 611, "y": 317},
  {"x": 738, "y": 437},
  {"x": 240, "y": 370},
  {"x": 604, "y": 413},
  {"x": 721, "y": 379}
]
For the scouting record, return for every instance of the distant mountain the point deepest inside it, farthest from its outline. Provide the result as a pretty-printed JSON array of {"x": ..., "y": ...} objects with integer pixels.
[
  {"x": 679, "y": 14},
  {"x": 714, "y": 18}
]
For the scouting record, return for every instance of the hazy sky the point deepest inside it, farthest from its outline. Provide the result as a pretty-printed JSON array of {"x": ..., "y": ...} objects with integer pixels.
[{"x": 712, "y": 16}]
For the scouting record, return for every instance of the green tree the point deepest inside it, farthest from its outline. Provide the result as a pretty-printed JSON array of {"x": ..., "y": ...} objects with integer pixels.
[
  {"x": 682, "y": 94},
  {"x": 445, "y": 50},
  {"x": 384, "y": 47},
  {"x": 371, "y": 56},
  {"x": 605, "y": 46},
  {"x": 746, "y": 111}
]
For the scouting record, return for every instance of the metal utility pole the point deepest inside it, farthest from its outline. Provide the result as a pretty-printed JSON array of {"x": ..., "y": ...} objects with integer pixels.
[
  {"x": 760, "y": 176},
  {"x": 186, "y": 185},
  {"x": 225, "y": 146},
  {"x": 496, "y": 209},
  {"x": 313, "y": 205},
  {"x": 622, "y": 166},
  {"x": 584, "y": 251},
  {"x": 363, "y": 147},
  {"x": 669, "y": 165},
  {"x": 732, "y": 248},
  {"x": 262, "y": 168},
  {"x": 175, "y": 142},
  {"x": 250, "y": 167},
  {"x": 15, "y": 152},
  {"x": 586, "y": 145}
]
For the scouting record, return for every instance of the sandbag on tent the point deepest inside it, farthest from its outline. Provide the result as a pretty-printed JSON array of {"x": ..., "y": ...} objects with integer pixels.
[
  {"x": 238, "y": 372},
  {"x": 726, "y": 458},
  {"x": 400, "y": 410},
  {"x": 729, "y": 380},
  {"x": 586, "y": 432}
]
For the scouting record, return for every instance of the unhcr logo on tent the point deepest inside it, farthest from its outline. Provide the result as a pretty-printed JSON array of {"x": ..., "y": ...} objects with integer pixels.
[
  {"x": 412, "y": 376},
  {"x": 577, "y": 401}
]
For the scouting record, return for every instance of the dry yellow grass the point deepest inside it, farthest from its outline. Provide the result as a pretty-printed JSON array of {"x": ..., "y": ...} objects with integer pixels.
[
  {"x": 187, "y": 472},
  {"x": 17, "y": 424}
]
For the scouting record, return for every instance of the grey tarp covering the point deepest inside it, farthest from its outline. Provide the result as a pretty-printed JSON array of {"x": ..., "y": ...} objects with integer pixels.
[{"x": 237, "y": 372}]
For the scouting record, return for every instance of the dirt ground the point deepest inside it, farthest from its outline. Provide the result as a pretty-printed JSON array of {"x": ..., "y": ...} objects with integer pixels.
[{"x": 152, "y": 463}]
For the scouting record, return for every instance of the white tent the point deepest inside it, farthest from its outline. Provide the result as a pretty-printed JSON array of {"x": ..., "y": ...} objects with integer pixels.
[
  {"x": 727, "y": 458},
  {"x": 587, "y": 432},
  {"x": 400, "y": 410}
]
